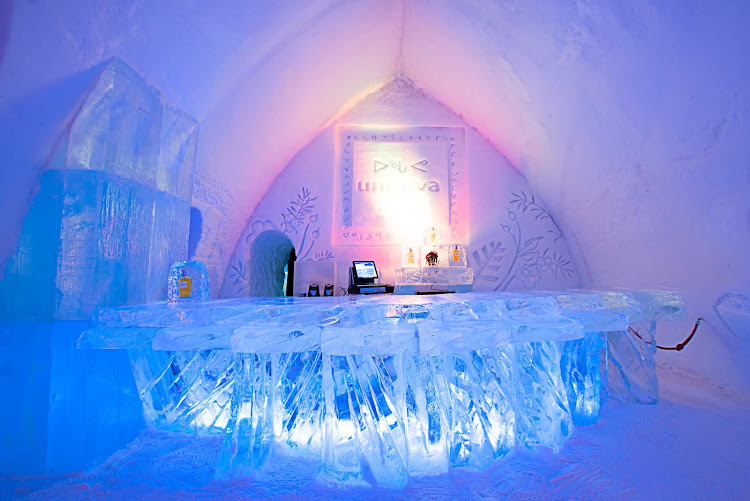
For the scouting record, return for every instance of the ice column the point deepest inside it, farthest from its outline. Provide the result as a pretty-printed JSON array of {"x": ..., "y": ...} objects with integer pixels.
[
  {"x": 543, "y": 416},
  {"x": 364, "y": 432},
  {"x": 579, "y": 366}
]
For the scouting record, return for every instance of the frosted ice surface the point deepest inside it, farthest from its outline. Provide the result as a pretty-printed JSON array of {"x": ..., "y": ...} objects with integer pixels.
[
  {"x": 734, "y": 302},
  {"x": 599, "y": 311},
  {"x": 179, "y": 141},
  {"x": 379, "y": 388},
  {"x": 598, "y": 300},
  {"x": 374, "y": 340},
  {"x": 103, "y": 338},
  {"x": 276, "y": 339},
  {"x": 435, "y": 275},
  {"x": 658, "y": 305},
  {"x": 124, "y": 127}
]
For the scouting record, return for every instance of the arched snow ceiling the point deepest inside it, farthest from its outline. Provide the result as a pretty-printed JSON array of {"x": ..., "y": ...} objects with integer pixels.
[{"x": 625, "y": 116}]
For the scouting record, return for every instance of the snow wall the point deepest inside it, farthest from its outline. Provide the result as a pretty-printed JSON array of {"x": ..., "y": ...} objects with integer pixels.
[{"x": 512, "y": 240}]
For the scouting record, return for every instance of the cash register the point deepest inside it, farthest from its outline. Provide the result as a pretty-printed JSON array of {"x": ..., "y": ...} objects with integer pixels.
[{"x": 362, "y": 276}]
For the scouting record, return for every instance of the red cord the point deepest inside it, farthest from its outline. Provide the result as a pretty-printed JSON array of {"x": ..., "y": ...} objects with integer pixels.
[{"x": 680, "y": 346}]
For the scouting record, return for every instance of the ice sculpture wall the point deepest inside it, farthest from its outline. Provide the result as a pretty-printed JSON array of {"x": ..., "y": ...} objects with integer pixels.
[
  {"x": 113, "y": 209},
  {"x": 514, "y": 241},
  {"x": 110, "y": 216}
]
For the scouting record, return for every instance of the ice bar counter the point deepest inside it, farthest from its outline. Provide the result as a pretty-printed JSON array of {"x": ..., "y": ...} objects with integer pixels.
[{"x": 378, "y": 389}]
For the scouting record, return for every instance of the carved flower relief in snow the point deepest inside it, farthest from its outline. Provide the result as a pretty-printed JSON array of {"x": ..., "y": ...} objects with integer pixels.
[{"x": 529, "y": 247}]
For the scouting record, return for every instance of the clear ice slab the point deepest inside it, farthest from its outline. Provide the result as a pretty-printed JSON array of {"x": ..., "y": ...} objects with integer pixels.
[
  {"x": 435, "y": 275},
  {"x": 630, "y": 365}
]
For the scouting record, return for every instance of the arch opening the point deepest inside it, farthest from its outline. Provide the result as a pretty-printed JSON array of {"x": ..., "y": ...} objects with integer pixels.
[{"x": 269, "y": 256}]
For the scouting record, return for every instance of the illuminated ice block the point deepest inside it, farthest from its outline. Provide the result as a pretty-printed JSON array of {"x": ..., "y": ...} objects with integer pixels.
[
  {"x": 579, "y": 367},
  {"x": 410, "y": 256},
  {"x": 435, "y": 275},
  {"x": 543, "y": 413},
  {"x": 249, "y": 434},
  {"x": 455, "y": 255}
]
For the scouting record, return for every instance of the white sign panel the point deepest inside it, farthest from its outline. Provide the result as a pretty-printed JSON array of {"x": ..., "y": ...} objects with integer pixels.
[{"x": 393, "y": 184}]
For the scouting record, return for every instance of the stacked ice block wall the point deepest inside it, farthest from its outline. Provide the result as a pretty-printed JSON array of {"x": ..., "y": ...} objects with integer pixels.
[
  {"x": 113, "y": 209},
  {"x": 110, "y": 217}
]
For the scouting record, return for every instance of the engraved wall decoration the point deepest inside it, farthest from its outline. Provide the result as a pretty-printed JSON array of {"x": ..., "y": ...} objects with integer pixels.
[
  {"x": 513, "y": 242},
  {"x": 393, "y": 183},
  {"x": 531, "y": 250},
  {"x": 299, "y": 221}
]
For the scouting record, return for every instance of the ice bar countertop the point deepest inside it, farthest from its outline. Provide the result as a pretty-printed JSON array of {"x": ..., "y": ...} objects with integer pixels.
[
  {"x": 263, "y": 324},
  {"x": 378, "y": 389}
]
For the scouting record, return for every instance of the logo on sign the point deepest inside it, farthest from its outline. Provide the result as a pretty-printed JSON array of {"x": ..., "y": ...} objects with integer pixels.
[
  {"x": 399, "y": 166},
  {"x": 398, "y": 186}
]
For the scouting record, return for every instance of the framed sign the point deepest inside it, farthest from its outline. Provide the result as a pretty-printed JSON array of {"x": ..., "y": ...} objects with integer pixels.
[{"x": 394, "y": 183}]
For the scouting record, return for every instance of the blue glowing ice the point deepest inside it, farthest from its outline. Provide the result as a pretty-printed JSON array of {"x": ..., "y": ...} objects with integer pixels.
[{"x": 378, "y": 388}]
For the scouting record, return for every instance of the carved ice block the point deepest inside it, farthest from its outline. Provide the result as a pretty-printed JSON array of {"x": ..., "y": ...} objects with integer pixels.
[{"x": 435, "y": 275}]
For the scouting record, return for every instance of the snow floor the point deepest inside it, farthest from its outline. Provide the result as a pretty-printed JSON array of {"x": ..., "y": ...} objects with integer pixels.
[{"x": 695, "y": 444}]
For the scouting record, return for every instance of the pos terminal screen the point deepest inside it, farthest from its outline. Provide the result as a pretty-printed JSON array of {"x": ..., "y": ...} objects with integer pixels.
[{"x": 365, "y": 270}]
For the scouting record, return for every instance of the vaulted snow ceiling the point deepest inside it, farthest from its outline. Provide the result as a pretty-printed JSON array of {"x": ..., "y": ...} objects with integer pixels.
[{"x": 625, "y": 116}]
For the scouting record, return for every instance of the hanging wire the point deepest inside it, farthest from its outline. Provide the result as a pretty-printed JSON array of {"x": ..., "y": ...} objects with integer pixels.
[{"x": 679, "y": 346}]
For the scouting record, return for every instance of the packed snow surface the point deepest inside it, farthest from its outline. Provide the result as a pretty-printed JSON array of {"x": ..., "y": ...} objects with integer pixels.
[{"x": 692, "y": 445}]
